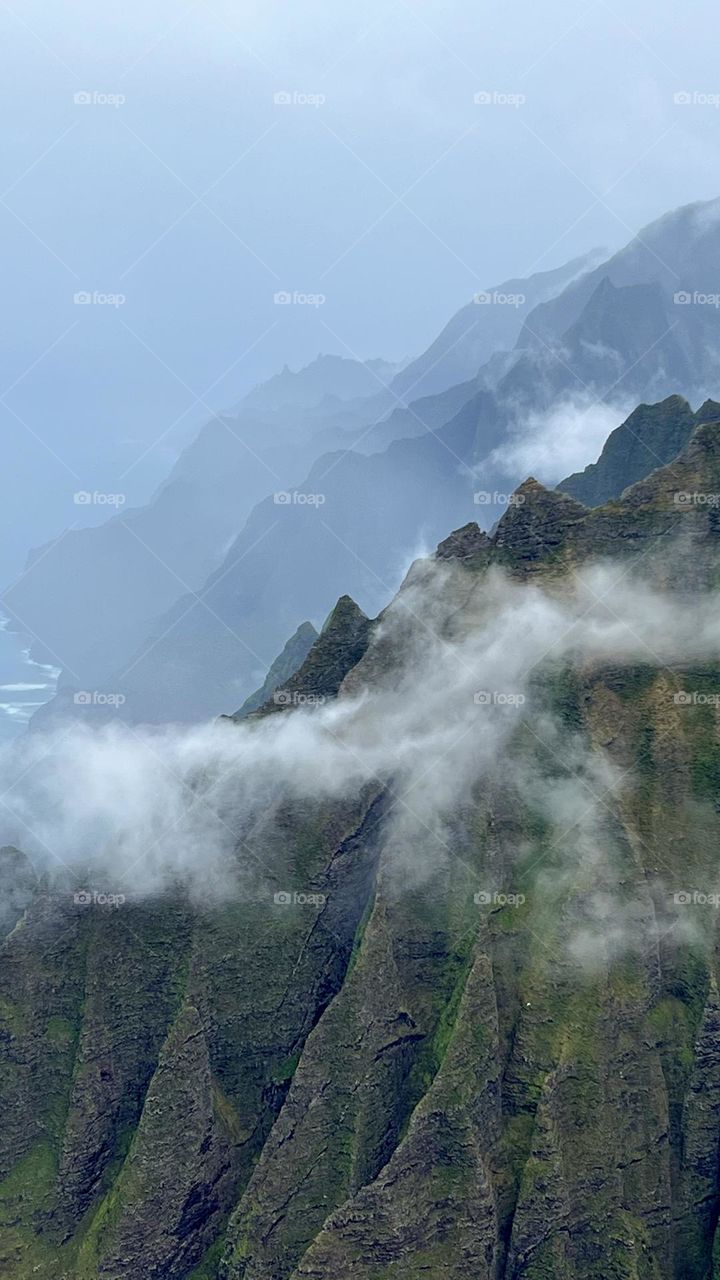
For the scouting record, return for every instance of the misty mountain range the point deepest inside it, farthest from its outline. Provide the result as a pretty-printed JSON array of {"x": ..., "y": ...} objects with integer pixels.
[
  {"x": 331, "y": 479},
  {"x": 360, "y": 641},
  {"x": 396, "y": 958},
  {"x": 440, "y": 996}
]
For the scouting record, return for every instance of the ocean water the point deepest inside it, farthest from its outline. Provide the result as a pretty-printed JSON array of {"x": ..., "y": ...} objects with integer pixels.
[{"x": 24, "y": 685}]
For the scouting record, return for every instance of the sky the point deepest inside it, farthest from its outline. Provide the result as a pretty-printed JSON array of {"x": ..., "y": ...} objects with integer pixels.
[{"x": 181, "y": 193}]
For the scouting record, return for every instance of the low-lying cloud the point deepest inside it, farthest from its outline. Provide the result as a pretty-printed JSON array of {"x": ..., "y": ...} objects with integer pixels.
[
  {"x": 457, "y": 666},
  {"x": 554, "y": 444}
]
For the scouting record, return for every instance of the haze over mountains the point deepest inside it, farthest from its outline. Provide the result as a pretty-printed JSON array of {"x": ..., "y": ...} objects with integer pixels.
[
  {"x": 440, "y": 992},
  {"x": 91, "y": 598},
  {"x": 331, "y": 479},
  {"x": 359, "y": 641}
]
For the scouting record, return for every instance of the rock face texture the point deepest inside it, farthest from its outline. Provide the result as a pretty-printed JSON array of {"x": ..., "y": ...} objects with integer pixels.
[
  {"x": 507, "y": 1067},
  {"x": 339, "y": 647},
  {"x": 285, "y": 666},
  {"x": 651, "y": 437}
]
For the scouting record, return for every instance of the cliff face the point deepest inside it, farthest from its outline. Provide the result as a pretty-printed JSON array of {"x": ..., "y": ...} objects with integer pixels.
[
  {"x": 651, "y": 437},
  {"x": 507, "y": 1067}
]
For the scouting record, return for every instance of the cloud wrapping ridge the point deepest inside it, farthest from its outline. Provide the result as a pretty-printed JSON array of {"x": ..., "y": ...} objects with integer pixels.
[{"x": 457, "y": 665}]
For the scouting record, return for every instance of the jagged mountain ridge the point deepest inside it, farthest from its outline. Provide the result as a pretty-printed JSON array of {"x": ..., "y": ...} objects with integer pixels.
[
  {"x": 170, "y": 666},
  {"x": 389, "y": 1082},
  {"x": 482, "y": 328},
  {"x": 89, "y": 600},
  {"x": 625, "y": 340},
  {"x": 651, "y": 437}
]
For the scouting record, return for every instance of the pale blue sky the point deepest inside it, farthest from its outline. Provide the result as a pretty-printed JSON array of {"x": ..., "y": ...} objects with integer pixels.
[{"x": 396, "y": 198}]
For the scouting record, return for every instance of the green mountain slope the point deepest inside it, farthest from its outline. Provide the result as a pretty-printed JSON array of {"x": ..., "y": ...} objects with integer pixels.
[
  {"x": 651, "y": 437},
  {"x": 506, "y": 1066}
]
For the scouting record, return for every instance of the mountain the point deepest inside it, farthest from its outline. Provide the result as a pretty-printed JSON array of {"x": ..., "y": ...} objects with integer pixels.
[
  {"x": 88, "y": 600},
  {"x": 341, "y": 644},
  {"x": 652, "y": 436},
  {"x": 491, "y": 323},
  {"x": 647, "y": 318},
  {"x": 677, "y": 253},
  {"x": 457, "y": 1021},
  {"x": 186, "y": 646},
  {"x": 355, "y": 520},
  {"x": 326, "y": 378},
  {"x": 283, "y": 668},
  {"x": 625, "y": 339}
]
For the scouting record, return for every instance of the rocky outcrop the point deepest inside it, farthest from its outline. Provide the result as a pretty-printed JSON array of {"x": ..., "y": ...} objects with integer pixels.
[
  {"x": 341, "y": 644},
  {"x": 285, "y": 666},
  {"x": 537, "y": 525},
  {"x": 651, "y": 437},
  {"x": 18, "y": 886},
  {"x": 465, "y": 544}
]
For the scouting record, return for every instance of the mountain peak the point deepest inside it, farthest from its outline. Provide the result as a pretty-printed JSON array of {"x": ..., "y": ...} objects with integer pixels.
[
  {"x": 536, "y": 520},
  {"x": 339, "y": 647},
  {"x": 346, "y": 613},
  {"x": 704, "y": 441},
  {"x": 652, "y": 436},
  {"x": 463, "y": 544},
  {"x": 708, "y": 412},
  {"x": 282, "y": 670}
]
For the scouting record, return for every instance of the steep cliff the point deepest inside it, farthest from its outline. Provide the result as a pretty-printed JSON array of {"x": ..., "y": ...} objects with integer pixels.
[{"x": 490, "y": 1047}]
